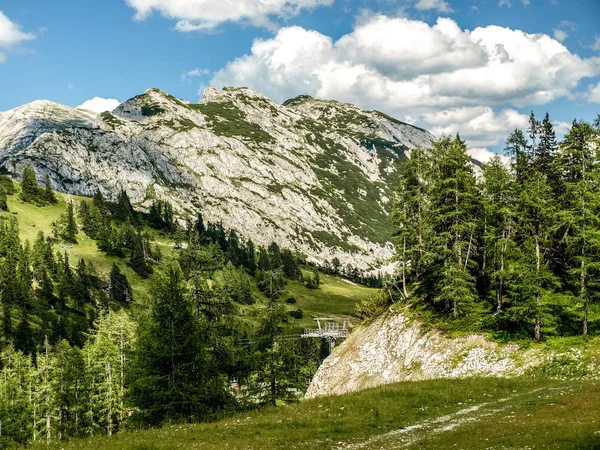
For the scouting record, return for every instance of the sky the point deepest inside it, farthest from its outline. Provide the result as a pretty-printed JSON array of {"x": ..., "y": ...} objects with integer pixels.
[{"x": 477, "y": 67}]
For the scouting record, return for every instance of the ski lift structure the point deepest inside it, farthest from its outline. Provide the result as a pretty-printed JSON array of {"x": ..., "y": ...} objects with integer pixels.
[{"x": 329, "y": 329}]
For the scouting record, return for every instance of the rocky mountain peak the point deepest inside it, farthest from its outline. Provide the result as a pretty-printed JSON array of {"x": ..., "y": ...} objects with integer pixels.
[{"x": 313, "y": 175}]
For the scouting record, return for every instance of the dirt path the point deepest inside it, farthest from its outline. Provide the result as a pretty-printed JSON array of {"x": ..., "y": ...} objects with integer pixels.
[{"x": 410, "y": 436}]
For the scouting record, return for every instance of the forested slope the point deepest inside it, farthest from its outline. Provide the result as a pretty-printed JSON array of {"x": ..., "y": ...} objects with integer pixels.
[{"x": 100, "y": 304}]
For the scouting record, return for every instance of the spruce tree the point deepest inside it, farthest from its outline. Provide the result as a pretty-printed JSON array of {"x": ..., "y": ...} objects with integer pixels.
[
  {"x": 30, "y": 191},
  {"x": 173, "y": 370},
  {"x": 455, "y": 209},
  {"x": 579, "y": 213},
  {"x": 49, "y": 196},
  {"x": 498, "y": 195}
]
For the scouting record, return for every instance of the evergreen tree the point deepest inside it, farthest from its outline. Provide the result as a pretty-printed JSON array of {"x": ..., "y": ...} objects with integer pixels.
[
  {"x": 24, "y": 339},
  {"x": 455, "y": 212},
  {"x": 48, "y": 195},
  {"x": 138, "y": 257},
  {"x": 264, "y": 261},
  {"x": 275, "y": 255},
  {"x": 174, "y": 371},
  {"x": 498, "y": 195},
  {"x": 290, "y": 265},
  {"x": 66, "y": 226},
  {"x": 579, "y": 213},
  {"x": 30, "y": 191},
  {"x": 3, "y": 201},
  {"x": 250, "y": 257},
  {"x": 119, "y": 287}
]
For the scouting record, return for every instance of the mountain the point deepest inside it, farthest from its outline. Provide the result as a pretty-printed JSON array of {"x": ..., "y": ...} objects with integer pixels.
[{"x": 313, "y": 175}]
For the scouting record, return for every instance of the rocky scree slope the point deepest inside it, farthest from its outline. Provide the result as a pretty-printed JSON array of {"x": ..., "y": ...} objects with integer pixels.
[
  {"x": 394, "y": 348},
  {"x": 313, "y": 175}
]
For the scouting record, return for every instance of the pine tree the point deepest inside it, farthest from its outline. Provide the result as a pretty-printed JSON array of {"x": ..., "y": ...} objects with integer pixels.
[
  {"x": 455, "y": 212},
  {"x": 119, "y": 287},
  {"x": 579, "y": 213},
  {"x": 275, "y": 255},
  {"x": 30, "y": 191},
  {"x": 547, "y": 151},
  {"x": 48, "y": 195},
  {"x": 138, "y": 257},
  {"x": 516, "y": 149},
  {"x": 498, "y": 196},
  {"x": 290, "y": 265},
  {"x": 174, "y": 375}
]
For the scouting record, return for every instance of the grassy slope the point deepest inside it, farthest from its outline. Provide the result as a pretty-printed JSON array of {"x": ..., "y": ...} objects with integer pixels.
[
  {"x": 33, "y": 219},
  {"x": 335, "y": 298},
  {"x": 475, "y": 413}
]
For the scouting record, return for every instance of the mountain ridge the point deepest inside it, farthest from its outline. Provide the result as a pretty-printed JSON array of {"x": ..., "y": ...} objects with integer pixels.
[{"x": 313, "y": 175}]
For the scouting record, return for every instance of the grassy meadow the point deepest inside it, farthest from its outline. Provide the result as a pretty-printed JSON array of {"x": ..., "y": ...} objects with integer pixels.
[{"x": 473, "y": 413}]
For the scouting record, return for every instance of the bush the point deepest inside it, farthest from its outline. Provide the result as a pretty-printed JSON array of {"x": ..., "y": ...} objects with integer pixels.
[
  {"x": 297, "y": 314},
  {"x": 372, "y": 305},
  {"x": 290, "y": 300}
]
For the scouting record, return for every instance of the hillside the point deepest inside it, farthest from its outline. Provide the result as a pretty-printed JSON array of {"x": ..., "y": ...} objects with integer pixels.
[
  {"x": 396, "y": 346},
  {"x": 312, "y": 175},
  {"x": 335, "y": 298}
]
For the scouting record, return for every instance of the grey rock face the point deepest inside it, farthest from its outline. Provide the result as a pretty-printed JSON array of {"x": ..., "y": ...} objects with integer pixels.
[{"x": 315, "y": 176}]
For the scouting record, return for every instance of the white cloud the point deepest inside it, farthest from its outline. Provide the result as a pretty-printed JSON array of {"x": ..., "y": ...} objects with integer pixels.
[
  {"x": 195, "y": 73},
  {"x": 11, "y": 35},
  {"x": 99, "y": 105},
  {"x": 596, "y": 44},
  {"x": 205, "y": 15},
  {"x": 484, "y": 155},
  {"x": 594, "y": 94},
  {"x": 561, "y": 32},
  {"x": 481, "y": 125},
  {"x": 408, "y": 68},
  {"x": 526, "y": 2},
  {"x": 504, "y": 3},
  {"x": 560, "y": 35},
  {"x": 438, "y": 5},
  {"x": 561, "y": 128}
]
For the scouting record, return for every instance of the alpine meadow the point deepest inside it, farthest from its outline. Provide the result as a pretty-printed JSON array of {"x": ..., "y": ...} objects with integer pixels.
[{"x": 332, "y": 224}]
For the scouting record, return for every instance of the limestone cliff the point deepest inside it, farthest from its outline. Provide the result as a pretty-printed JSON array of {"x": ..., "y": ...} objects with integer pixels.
[{"x": 313, "y": 175}]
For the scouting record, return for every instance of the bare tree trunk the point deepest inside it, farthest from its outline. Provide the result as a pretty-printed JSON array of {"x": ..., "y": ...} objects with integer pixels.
[
  {"x": 404, "y": 268},
  {"x": 47, "y": 396},
  {"x": 500, "y": 284},
  {"x": 583, "y": 294},
  {"x": 538, "y": 318},
  {"x": 469, "y": 249}
]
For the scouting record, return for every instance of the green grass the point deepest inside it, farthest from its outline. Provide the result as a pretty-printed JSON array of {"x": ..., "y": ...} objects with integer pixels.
[
  {"x": 474, "y": 413},
  {"x": 33, "y": 219},
  {"x": 335, "y": 298}
]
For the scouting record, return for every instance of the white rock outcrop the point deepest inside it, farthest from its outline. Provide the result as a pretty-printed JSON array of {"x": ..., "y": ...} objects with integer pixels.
[{"x": 393, "y": 348}]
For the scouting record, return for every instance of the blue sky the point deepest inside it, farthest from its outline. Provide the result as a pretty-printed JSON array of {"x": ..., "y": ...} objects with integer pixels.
[{"x": 474, "y": 66}]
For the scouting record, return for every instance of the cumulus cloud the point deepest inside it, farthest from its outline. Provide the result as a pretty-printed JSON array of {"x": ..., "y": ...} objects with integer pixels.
[
  {"x": 205, "y": 15},
  {"x": 418, "y": 71},
  {"x": 99, "y": 105},
  {"x": 484, "y": 155},
  {"x": 437, "y": 5},
  {"x": 480, "y": 124},
  {"x": 594, "y": 94},
  {"x": 11, "y": 35},
  {"x": 596, "y": 44}
]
